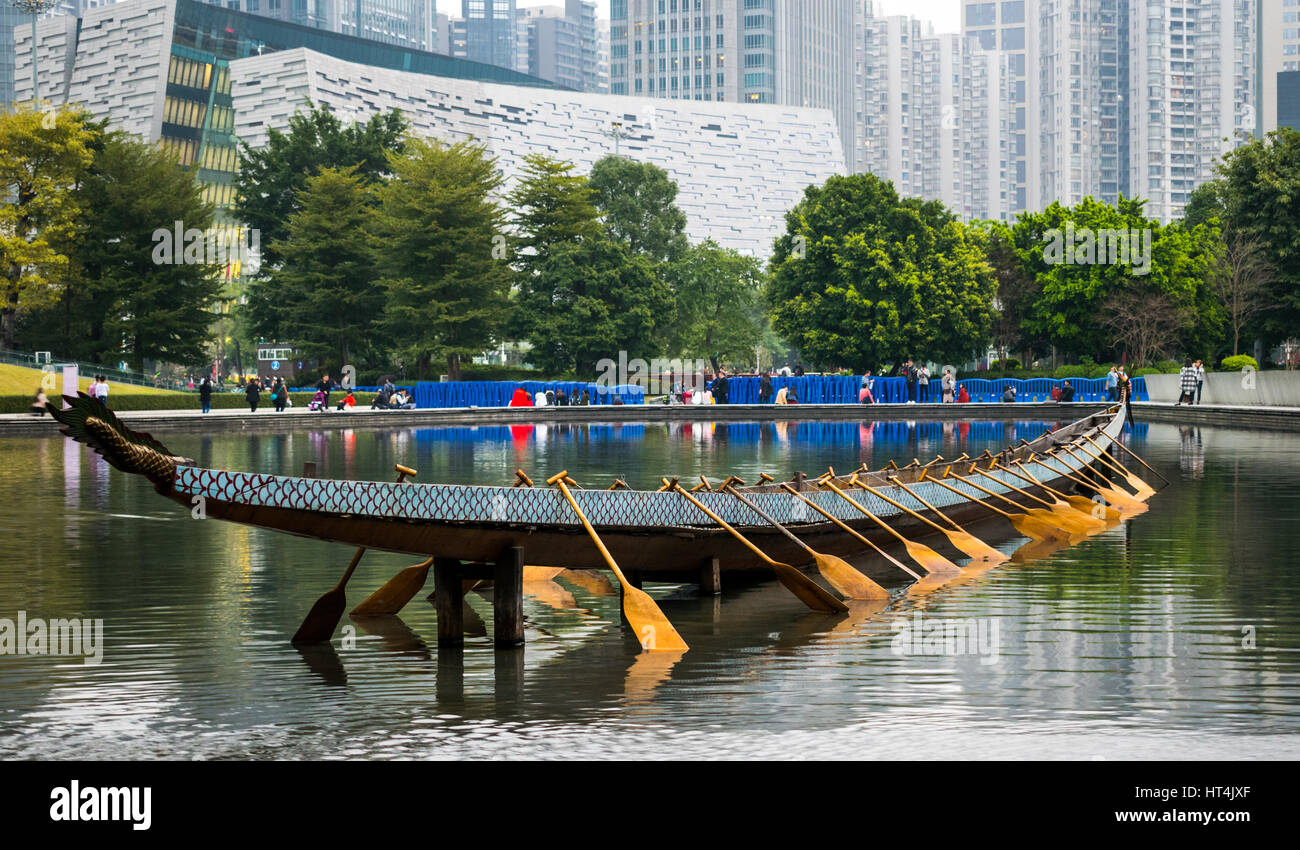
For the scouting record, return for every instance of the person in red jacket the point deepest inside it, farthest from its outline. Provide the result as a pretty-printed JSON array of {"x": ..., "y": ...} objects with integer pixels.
[{"x": 521, "y": 398}]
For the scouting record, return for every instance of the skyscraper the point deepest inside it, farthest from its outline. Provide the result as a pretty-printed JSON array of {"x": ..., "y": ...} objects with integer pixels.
[
  {"x": 559, "y": 43},
  {"x": 1011, "y": 28},
  {"x": 932, "y": 114},
  {"x": 1191, "y": 94},
  {"x": 490, "y": 32},
  {"x": 744, "y": 51},
  {"x": 1278, "y": 27}
]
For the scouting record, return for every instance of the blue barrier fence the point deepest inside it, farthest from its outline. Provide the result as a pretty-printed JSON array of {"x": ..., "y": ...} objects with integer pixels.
[
  {"x": 499, "y": 393},
  {"x": 809, "y": 389},
  {"x": 843, "y": 389}
]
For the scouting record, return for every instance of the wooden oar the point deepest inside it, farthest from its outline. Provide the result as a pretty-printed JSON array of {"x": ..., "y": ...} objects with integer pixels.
[
  {"x": 1070, "y": 519},
  {"x": 1122, "y": 498},
  {"x": 1028, "y": 524},
  {"x": 1133, "y": 455},
  {"x": 1082, "y": 503},
  {"x": 931, "y": 560},
  {"x": 841, "y": 575},
  {"x": 972, "y": 546},
  {"x": 1140, "y": 496},
  {"x": 1133, "y": 481},
  {"x": 809, "y": 592},
  {"x": 839, "y": 522},
  {"x": 651, "y": 626},
  {"x": 318, "y": 625}
]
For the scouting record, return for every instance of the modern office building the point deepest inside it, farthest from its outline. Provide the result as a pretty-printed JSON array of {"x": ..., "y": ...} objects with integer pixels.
[
  {"x": 160, "y": 69},
  {"x": 490, "y": 31},
  {"x": 741, "y": 51},
  {"x": 739, "y": 167}
]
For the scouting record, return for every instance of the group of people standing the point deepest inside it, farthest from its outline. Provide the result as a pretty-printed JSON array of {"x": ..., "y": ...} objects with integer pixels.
[{"x": 1191, "y": 380}]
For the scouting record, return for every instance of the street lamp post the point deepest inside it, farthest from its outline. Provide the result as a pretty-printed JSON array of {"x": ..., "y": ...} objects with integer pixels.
[{"x": 34, "y": 8}]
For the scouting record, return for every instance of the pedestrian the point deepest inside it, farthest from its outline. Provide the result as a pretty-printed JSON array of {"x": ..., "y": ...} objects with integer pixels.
[
  {"x": 279, "y": 395},
  {"x": 720, "y": 387},
  {"x": 561, "y": 398},
  {"x": 765, "y": 391},
  {"x": 798, "y": 369},
  {"x": 1067, "y": 392},
  {"x": 101, "y": 389},
  {"x": 38, "y": 406},
  {"x": 1123, "y": 388},
  {"x": 909, "y": 376},
  {"x": 923, "y": 383},
  {"x": 205, "y": 395},
  {"x": 254, "y": 394},
  {"x": 1199, "y": 366},
  {"x": 349, "y": 401},
  {"x": 1009, "y": 394},
  {"x": 948, "y": 384},
  {"x": 783, "y": 395},
  {"x": 963, "y": 396},
  {"x": 1186, "y": 383},
  {"x": 323, "y": 386},
  {"x": 1112, "y": 384},
  {"x": 866, "y": 394}
]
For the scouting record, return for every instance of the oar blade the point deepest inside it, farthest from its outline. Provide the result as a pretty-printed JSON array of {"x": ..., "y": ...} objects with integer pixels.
[
  {"x": 848, "y": 581},
  {"x": 395, "y": 593},
  {"x": 809, "y": 592},
  {"x": 318, "y": 626},
  {"x": 973, "y": 546},
  {"x": 652, "y": 628},
  {"x": 935, "y": 563}
]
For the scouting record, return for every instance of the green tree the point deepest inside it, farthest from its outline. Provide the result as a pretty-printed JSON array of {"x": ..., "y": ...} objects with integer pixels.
[
  {"x": 39, "y": 168},
  {"x": 719, "y": 303},
  {"x": 1070, "y": 254},
  {"x": 637, "y": 200},
  {"x": 581, "y": 295},
  {"x": 148, "y": 297},
  {"x": 589, "y": 300},
  {"x": 861, "y": 278},
  {"x": 326, "y": 280},
  {"x": 436, "y": 233},
  {"x": 270, "y": 177},
  {"x": 1254, "y": 197}
]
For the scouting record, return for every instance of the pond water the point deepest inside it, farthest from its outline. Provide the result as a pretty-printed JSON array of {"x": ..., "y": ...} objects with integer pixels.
[{"x": 1174, "y": 635}]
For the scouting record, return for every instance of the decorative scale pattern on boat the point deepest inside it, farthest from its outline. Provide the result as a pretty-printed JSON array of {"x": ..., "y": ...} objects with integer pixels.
[{"x": 545, "y": 506}]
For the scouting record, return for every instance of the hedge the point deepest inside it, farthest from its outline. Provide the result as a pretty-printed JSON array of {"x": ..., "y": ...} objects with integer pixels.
[{"x": 188, "y": 401}]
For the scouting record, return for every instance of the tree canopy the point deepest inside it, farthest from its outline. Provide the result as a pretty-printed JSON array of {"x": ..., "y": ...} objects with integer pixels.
[{"x": 862, "y": 278}]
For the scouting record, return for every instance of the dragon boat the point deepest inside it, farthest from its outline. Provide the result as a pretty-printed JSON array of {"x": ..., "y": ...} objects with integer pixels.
[{"x": 667, "y": 534}]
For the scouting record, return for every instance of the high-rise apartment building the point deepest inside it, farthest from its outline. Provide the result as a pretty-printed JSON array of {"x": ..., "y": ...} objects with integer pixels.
[
  {"x": 1191, "y": 94},
  {"x": 1081, "y": 140},
  {"x": 560, "y": 44},
  {"x": 1278, "y": 67},
  {"x": 742, "y": 51},
  {"x": 932, "y": 114},
  {"x": 1010, "y": 27}
]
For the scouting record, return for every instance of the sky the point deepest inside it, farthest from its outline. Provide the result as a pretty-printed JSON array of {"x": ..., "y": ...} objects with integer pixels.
[{"x": 946, "y": 14}]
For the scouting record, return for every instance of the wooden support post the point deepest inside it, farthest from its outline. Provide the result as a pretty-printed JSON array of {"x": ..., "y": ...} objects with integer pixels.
[
  {"x": 508, "y": 674},
  {"x": 798, "y": 481},
  {"x": 447, "y": 598},
  {"x": 309, "y": 469},
  {"x": 711, "y": 578},
  {"x": 508, "y": 598}
]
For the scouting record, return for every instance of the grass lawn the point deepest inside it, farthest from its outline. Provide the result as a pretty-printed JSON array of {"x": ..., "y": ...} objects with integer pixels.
[{"x": 16, "y": 380}]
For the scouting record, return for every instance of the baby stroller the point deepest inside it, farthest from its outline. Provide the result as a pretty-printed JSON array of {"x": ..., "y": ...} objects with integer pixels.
[{"x": 317, "y": 402}]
